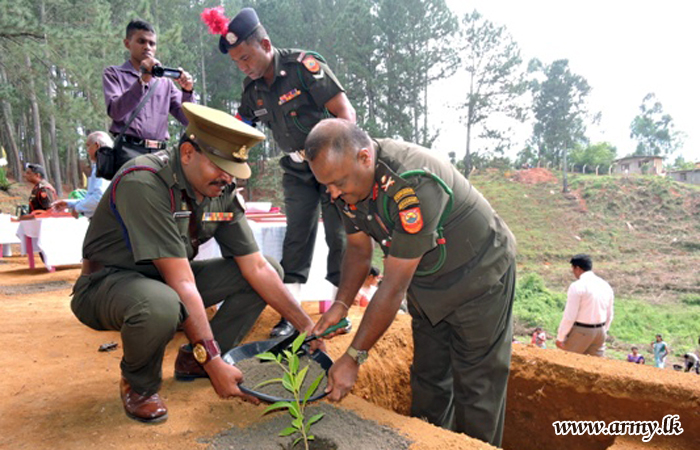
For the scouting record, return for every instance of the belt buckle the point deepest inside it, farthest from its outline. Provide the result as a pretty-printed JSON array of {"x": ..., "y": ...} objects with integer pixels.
[{"x": 151, "y": 144}]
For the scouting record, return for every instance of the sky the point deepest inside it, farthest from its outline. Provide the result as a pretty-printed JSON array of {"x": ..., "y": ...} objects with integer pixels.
[{"x": 625, "y": 50}]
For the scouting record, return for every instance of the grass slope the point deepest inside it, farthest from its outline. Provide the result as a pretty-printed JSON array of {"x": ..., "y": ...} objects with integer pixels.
[{"x": 643, "y": 234}]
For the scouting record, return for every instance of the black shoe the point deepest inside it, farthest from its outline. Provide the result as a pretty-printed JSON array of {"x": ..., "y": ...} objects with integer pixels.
[{"x": 283, "y": 328}]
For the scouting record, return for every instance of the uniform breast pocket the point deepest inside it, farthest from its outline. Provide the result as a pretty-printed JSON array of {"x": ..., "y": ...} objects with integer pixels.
[{"x": 299, "y": 114}]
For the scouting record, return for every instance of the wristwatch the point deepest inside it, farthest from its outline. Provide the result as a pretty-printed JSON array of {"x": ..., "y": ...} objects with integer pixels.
[
  {"x": 360, "y": 356},
  {"x": 205, "y": 350}
]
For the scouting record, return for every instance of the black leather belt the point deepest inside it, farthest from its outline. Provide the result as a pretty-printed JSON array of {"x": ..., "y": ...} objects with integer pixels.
[
  {"x": 588, "y": 325},
  {"x": 146, "y": 143}
]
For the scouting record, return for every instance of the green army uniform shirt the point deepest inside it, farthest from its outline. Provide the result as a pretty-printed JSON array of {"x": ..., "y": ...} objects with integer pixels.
[
  {"x": 479, "y": 245},
  {"x": 295, "y": 100},
  {"x": 144, "y": 201}
]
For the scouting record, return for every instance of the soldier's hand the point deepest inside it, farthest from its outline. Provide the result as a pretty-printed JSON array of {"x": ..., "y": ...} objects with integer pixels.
[
  {"x": 341, "y": 378},
  {"x": 330, "y": 318},
  {"x": 185, "y": 81},
  {"x": 225, "y": 379}
]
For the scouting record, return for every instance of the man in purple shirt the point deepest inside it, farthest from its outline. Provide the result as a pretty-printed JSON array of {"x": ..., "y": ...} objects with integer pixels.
[{"x": 126, "y": 85}]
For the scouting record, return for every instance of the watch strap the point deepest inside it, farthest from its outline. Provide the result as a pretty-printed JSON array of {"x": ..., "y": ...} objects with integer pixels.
[
  {"x": 205, "y": 350},
  {"x": 360, "y": 356}
]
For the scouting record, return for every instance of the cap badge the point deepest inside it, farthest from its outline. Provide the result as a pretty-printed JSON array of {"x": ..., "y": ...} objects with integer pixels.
[
  {"x": 241, "y": 153},
  {"x": 231, "y": 38}
]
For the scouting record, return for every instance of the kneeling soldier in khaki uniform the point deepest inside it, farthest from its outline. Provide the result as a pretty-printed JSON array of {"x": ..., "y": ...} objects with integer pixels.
[
  {"x": 138, "y": 275},
  {"x": 446, "y": 250}
]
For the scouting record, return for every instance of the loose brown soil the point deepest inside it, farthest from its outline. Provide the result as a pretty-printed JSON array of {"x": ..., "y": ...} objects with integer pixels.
[
  {"x": 59, "y": 392},
  {"x": 257, "y": 372},
  {"x": 345, "y": 431}
]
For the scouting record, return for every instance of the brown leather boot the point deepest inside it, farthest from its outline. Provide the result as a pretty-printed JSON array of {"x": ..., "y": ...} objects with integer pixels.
[
  {"x": 147, "y": 409},
  {"x": 186, "y": 367}
]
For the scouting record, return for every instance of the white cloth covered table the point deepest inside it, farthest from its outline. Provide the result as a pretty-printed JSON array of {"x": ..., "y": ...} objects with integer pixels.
[
  {"x": 8, "y": 233},
  {"x": 59, "y": 239},
  {"x": 269, "y": 231}
]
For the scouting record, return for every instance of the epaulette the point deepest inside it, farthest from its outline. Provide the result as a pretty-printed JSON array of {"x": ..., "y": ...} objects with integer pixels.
[{"x": 403, "y": 194}]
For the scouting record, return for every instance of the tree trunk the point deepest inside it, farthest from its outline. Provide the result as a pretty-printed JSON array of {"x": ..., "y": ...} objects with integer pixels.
[
  {"x": 202, "y": 68},
  {"x": 36, "y": 119},
  {"x": 50, "y": 91},
  {"x": 12, "y": 151},
  {"x": 55, "y": 162},
  {"x": 468, "y": 155},
  {"x": 425, "y": 110},
  {"x": 565, "y": 187}
]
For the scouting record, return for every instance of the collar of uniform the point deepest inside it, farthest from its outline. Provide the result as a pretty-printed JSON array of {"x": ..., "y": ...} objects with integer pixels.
[{"x": 177, "y": 175}]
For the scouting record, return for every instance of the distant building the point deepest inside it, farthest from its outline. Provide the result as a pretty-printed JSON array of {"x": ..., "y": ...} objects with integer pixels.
[
  {"x": 691, "y": 176},
  {"x": 649, "y": 165}
]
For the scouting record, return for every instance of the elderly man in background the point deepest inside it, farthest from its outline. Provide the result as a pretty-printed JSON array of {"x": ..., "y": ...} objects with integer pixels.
[
  {"x": 96, "y": 185},
  {"x": 589, "y": 311}
]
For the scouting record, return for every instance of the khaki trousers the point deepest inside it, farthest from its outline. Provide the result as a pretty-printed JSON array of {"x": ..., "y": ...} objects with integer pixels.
[{"x": 587, "y": 341}]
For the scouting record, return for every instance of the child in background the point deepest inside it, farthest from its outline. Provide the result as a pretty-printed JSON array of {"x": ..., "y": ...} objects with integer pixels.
[{"x": 539, "y": 338}]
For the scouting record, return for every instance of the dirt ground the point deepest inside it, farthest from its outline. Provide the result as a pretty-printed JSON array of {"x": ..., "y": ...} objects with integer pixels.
[{"x": 59, "y": 392}]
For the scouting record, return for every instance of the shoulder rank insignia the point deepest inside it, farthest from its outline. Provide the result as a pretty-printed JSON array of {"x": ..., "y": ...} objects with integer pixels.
[
  {"x": 411, "y": 220},
  {"x": 348, "y": 213},
  {"x": 217, "y": 217},
  {"x": 311, "y": 64},
  {"x": 387, "y": 182},
  {"x": 288, "y": 96}
]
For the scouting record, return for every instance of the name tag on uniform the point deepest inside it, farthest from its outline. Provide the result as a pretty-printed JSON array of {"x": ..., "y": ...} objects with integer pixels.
[
  {"x": 217, "y": 217},
  {"x": 260, "y": 112},
  {"x": 182, "y": 214}
]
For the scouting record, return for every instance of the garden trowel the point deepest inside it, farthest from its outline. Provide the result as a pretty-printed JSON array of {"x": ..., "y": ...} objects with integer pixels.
[{"x": 286, "y": 342}]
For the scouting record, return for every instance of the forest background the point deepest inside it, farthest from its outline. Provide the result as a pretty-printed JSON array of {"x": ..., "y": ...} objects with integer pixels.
[{"x": 388, "y": 54}]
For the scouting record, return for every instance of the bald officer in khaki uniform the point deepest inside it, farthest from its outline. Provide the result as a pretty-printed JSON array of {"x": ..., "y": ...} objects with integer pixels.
[
  {"x": 289, "y": 91},
  {"x": 138, "y": 275},
  {"x": 446, "y": 250}
]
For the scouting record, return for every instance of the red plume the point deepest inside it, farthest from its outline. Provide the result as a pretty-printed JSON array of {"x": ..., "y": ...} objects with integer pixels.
[{"x": 215, "y": 20}]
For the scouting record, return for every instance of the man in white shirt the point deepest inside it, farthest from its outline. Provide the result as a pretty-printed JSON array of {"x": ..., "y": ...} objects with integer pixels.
[
  {"x": 96, "y": 186},
  {"x": 588, "y": 313}
]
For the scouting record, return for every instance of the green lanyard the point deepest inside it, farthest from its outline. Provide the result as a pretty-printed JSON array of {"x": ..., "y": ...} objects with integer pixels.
[{"x": 440, "y": 229}]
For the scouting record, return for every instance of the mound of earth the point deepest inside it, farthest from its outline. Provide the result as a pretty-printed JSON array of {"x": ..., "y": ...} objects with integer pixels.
[{"x": 537, "y": 175}]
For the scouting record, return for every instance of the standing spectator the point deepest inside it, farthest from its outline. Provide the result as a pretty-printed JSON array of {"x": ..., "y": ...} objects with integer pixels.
[
  {"x": 636, "y": 357},
  {"x": 589, "y": 311},
  {"x": 692, "y": 362},
  {"x": 289, "y": 91},
  {"x": 660, "y": 351},
  {"x": 539, "y": 338},
  {"x": 43, "y": 193},
  {"x": 124, "y": 87},
  {"x": 96, "y": 185}
]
